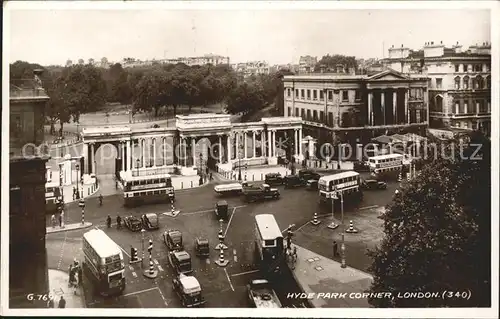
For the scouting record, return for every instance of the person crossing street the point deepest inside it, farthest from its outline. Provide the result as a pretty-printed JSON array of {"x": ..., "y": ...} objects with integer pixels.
[
  {"x": 108, "y": 221},
  {"x": 118, "y": 222},
  {"x": 100, "y": 199}
]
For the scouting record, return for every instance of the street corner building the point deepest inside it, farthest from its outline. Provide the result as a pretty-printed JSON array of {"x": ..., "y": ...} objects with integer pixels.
[{"x": 27, "y": 256}]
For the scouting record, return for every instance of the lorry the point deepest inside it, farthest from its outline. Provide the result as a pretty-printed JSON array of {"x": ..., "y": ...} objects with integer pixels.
[
  {"x": 232, "y": 189},
  {"x": 262, "y": 295},
  {"x": 189, "y": 291},
  {"x": 263, "y": 192}
]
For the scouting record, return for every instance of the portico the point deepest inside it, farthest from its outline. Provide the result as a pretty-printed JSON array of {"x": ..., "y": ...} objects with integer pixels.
[{"x": 197, "y": 141}]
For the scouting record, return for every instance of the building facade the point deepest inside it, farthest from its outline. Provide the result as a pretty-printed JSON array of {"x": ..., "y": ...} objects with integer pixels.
[
  {"x": 28, "y": 257},
  {"x": 459, "y": 82},
  {"x": 248, "y": 69},
  {"x": 213, "y": 59},
  {"x": 346, "y": 108},
  {"x": 307, "y": 64}
]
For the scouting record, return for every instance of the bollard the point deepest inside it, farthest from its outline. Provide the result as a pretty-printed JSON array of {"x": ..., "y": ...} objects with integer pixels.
[
  {"x": 253, "y": 178},
  {"x": 315, "y": 220},
  {"x": 191, "y": 184},
  {"x": 351, "y": 228},
  {"x": 221, "y": 261},
  {"x": 182, "y": 185}
]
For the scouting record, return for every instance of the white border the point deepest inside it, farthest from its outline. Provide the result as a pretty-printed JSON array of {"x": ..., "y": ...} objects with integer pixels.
[{"x": 271, "y": 5}]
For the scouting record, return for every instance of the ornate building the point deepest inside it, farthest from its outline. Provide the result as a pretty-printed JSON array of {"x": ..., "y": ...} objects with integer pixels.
[
  {"x": 459, "y": 82},
  {"x": 28, "y": 258},
  {"x": 346, "y": 108}
]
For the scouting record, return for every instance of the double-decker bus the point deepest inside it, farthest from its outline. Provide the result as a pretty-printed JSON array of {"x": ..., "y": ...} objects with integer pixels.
[
  {"x": 269, "y": 247},
  {"x": 52, "y": 196},
  {"x": 346, "y": 184},
  {"x": 103, "y": 263},
  {"x": 138, "y": 190},
  {"x": 386, "y": 166}
]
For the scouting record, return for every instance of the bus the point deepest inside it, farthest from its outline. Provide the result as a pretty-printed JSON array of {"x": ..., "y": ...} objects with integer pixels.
[
  {"x": 386, "y": 166},
  {"x": 269, "y": 247},
  {"x": 103, "y": 263},
  {"x": 346, "y": 184},
  {"x": 138, "y": 190},
  {"x": 52, "y": 196}
]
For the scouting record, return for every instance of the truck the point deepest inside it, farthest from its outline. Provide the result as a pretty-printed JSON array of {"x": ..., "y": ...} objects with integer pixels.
[
  {"x": 263, "y": 192},
  {"x": 262, "y": 295},
  {"x": 189, "y": 291},
  {"x": 231, "y": 189}
]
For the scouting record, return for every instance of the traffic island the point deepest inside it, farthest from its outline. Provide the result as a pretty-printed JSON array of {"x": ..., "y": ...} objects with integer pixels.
[
  {"x": 151, "y": 275},
  {"x": 68, "y": 227}
]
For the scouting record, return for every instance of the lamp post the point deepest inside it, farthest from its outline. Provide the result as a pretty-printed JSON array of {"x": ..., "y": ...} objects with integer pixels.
[
  {"x": 77, "y": 167},
  {"x": 333, "y": 196},
  {"x": 239, "y": 161},
  {"x": 342, "y": 246}
]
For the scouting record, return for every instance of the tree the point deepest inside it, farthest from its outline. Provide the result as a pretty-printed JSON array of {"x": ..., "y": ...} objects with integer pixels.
[
  {"x": 438, "y": 231},
  {"x": 69, "y": 63},
  {"x": 81, "y": 61},
  {"x": 245, "y": 99},
  {"x": 331, "y": 62},
  {"x": 91, "y": 61}
]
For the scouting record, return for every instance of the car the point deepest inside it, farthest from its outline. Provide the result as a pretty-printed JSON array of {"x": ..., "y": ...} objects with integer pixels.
[
  {"x": 312, "y": 184},
  {"x": 292, "y": 181},
  {"x": 150, "y": 221},
  {"x": 373, "y": 184},
  {"x": 201, "y": 247},
  {"x": 221, "y": 210},
  {"x": 173, "y": 240},
  {"x": 359, "y": 166},
  {"x": 133, "y": 223},
  {"x": 308, "y": 174},
  {"x": 273, "y": 179}
]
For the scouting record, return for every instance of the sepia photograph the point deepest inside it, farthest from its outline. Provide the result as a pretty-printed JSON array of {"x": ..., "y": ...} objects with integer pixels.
[{"x": 332, "y": 158}]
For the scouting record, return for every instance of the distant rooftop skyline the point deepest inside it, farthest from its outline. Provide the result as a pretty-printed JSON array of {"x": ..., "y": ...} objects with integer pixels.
[{"x": 278, "y": 37}]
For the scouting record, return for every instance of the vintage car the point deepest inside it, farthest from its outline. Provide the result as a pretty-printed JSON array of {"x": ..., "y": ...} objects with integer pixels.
[
  {"x": 201, "y": 247},
  {"x": 291, "y": 181},
  {"x": 312, "y": 184},
  {"x": 373, "y": 184},
  {"x": 308, "y": 174},
  {"x": 150, "y": 221},
  {"x": 189, "y": 291},
  {"x": 273, "y": 179},
  {"x": 173, "y": 240},
  {"x": 180, "y": 261},
  {"x": 133, "y": 223}
]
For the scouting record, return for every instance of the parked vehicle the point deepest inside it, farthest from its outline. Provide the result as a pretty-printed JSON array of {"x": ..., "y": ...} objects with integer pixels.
[
  {"x": 293, "y": 181},
  {"x": 229, "y": 189},
  {"x": 132, "y": 223},
  {"x": 202, "y": 248},
  {"x": 263, "y": 192},
  {"x": 173, "y": 240},
  {"x": 312, "y": 184},
  {"x": 189, "y": 291},
  {"x": 262, "y": 295},
  {"x": 273, "y": 179},
  {"x": 373, "y": 184},
  {"x": 308, "y": 174},
  {"x": 359, "y": 166},
  {"x": 180, "y": 261},
  {"x": 150, "y": 221},
  {"x": 221, "y": 210}
]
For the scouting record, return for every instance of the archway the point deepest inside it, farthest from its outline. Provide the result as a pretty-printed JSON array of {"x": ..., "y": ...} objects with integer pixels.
[{"x": 105, "y": 159}]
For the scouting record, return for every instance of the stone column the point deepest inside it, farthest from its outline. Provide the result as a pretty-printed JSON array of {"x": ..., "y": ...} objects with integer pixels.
[
  {"x": 394, "y": 106},
  {"x": 164, "y": 144},
  {"x": 300, "y": 142},
  {"x": 269, "y": 141},
  {"x": 123, "y": 155},
  {"x": 229, "y": 148},
  {"x": 245, "y": 144},
  {"x": 237, "y": 151},
  {"x": 92, "y": 156},
  {"x": 154, "y": 151},
  {"x": 85, "y": 154},
  {"x": 407, "y": 113},
  {"x": 129, "y": 156},
  {"x": 253, "y": 143},
  {"x": 274, "y": 144},
  {"x": 193, "y": 151},
  {"x": 220, "y": 149},
  {"x": 370, "y": 108},
  {"x": 296, "y": 141},
  {"x": 382, "y": 104}
]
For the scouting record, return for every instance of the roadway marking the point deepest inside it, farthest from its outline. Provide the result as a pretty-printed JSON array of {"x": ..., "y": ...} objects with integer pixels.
[
  {"x": 134, "y": 274},
  {"x": 160, "y": 268},
  {"x": 62, "y": 251},
  {"x": 123, "y": 251},
  {"x": 302, "y": 226},
  {"x": 155, "y": 261},
  {"x": 245, "y": 273},
  {"x": 139, "y": 292},
  {"x": 368, "y": 207},
  {"x": 130, "y": 267},
  {"x": 229, "y": 279},
  {"x": 162, "y": 297},
  {"x": 235, "y": 256},
  {"x": 230, "y": 219},
  {"x": 199, "y": 212}
]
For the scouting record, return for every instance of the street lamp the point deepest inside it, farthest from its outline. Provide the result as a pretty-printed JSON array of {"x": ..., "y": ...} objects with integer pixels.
[
  {"x": 333, "y": 196},
  {"x": 239, "y": 161},
  {"x": 81, "y": 203},
  {"x": 142, "y": 244},
  {"x": 77, "y": 180},
  {"x": 342, "y": 246}
]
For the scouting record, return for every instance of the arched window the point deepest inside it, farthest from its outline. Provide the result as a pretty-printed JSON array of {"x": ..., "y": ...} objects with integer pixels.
[
  {"x": 479, "y": 82},
  {"x": 488, "y": 82},
  {"x": 466, "y": 82},
  {"x": 439, "y": 103},
  {"x": 457, "y": 83}
]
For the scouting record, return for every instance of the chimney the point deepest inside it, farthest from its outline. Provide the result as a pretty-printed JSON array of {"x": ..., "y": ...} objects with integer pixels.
[
  {"x": 401, "y": 45},
  {"x": 432, "y": 43},
  {"x": 340, "y": 68},
  {"x": 441, "y": 42}
]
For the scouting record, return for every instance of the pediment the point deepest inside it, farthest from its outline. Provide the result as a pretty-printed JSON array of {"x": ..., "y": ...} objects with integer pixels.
[{"x": 388, "y": 75}]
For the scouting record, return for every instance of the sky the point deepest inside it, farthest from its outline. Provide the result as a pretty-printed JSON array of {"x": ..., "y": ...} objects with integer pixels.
[{"x": 276, "y": 36}]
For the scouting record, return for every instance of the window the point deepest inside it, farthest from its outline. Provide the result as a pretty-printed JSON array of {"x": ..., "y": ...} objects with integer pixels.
[
  {"x": 478, "y": 68},
  {"x": 16, "y": 127},
  {"x": 330, "y": 118},
  {"x": 330, "y": 96},
  {"x": 288, "y": 92},
  {"x": 345, "y": 96},
  {"x": 457, "y": 67},
  {"x": 479, "y": 82},
  {"x": 302, "y": 93},
  {"x": 315, "y": 94},
  {"x": 439, "y": 83},
  {"x": 466, "y": 82},
  {"x": 308, "y": 94},
  {"x": 315, "y": 116},
  {"x": 322, "y": 116},
  {"x": 302, "y": 113},
  {"x": 308, "y": 115},
  {"x": 457, "y": 83},
  {"x": 473, "y": 83},
  {"x": 488, "y": 82},
  {"x": 297, "y": 112},
  {"x": 289, "y": 111},
  {"x": 296, "y": 92},
  {"x": 357, "y": 95},
  {"x": 321, "y": 95},
  {"x": 469, "y": 68}
]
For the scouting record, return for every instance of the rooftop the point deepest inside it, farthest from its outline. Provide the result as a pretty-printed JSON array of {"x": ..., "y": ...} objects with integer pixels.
[
  {"x": 269, "y": 227},
  {"x": 26, "y": 88}
]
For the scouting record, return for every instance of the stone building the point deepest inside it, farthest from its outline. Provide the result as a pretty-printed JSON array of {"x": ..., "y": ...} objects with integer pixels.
[
  {"x": 27, "y": 256},
  {"x": 347, "y": 108},
  {"x": 459, "y": 82}
]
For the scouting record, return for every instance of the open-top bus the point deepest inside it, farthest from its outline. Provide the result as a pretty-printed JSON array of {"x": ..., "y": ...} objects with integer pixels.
[
  {"x": 386, "y": 166},
  {"x": 138, "y": 190},
  {"x": 345, "y": 184},
  {"x": 52, "y": 196},
  {"x": 103, "y": 263},
  {"x": 268, "y": 244}
]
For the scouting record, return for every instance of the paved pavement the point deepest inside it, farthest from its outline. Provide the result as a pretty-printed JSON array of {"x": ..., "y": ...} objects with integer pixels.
[
  {"x": 327, "y": 284},
  {"x": 68, "y": 227},
  {"x": 58, "y": 287},
  {"x": 223, "y": 287}
]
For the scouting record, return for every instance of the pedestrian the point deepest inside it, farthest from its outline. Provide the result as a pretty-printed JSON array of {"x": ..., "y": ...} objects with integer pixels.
[
  {"x": 335, "y": 249},
  {"x": 80, "y": 275},
  {"x": 71, "y": 275},
  {"x": 74, "y": 193},
  {"x": 50, "y": 303},
  {"x": 62, "y": 302},
  {"x": 100, "y": 199},
  {"x": 108, "y": 221},
  {"x": 61, "y": 219},
  {"x": 53, "y": 220},
  {"x": 207, "y": 170},
  {"x": 116, "y": 184},
  {"x": 211, "y": 177},
  {"x": 119, "y": 222}
]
